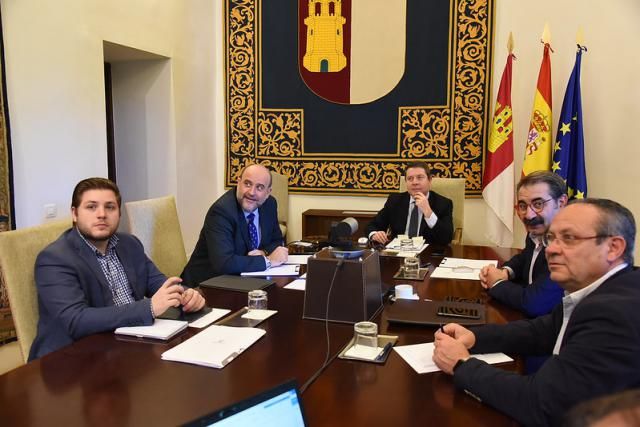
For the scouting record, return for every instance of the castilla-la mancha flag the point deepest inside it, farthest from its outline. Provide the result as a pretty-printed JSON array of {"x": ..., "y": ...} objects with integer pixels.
[
  {"x": 537, "y": 154},
  {"x": 497, "y": 182}
]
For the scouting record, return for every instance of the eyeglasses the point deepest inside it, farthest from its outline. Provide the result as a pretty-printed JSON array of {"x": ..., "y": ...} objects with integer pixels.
[
  {"x": 568, "y": 240},
  {"x": 537, "y": 205}
]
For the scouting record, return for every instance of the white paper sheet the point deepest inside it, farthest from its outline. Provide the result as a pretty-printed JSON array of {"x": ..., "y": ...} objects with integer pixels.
[
  {"x": 461, "y": 268},
  {"x": 215, "y": 346},
  {"x": 259, "y": 314},
  {"x": 209, "y": 318},
  {"x": 298, "y": 259},
  {"x": 281, "y": 270},
  {"x": 420, "y": 357},
  {"x": 298, "y": 285}
]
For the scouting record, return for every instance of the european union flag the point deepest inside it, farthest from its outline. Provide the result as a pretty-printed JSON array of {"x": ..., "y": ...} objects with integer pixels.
[{"x": 568, "y": 151}]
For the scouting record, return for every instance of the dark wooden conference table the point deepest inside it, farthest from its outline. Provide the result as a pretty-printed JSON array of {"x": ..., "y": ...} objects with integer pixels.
[{"x": 108, "y": 380}]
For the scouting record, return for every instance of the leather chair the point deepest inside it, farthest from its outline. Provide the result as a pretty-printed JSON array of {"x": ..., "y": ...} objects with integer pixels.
[
  {"x": 452, "y": 188},
  {"x": 18, "y": 252},
  {"x": 155, "y": 222},
  {"x": 280, "y": 191}
]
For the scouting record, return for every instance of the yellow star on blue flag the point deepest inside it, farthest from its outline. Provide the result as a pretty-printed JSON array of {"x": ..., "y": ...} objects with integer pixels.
[{"x": 568, "y": 153}]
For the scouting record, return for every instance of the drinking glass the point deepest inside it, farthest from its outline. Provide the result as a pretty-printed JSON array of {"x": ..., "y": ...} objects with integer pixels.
[
  {"x": 366, "y": 334},
  {"x": 257, "y": 300}
]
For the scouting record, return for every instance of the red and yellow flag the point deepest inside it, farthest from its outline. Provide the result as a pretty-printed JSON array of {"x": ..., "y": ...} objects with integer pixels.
[
  {"x": 538, "y": 151},
  {"x": 497, "y": 182}
]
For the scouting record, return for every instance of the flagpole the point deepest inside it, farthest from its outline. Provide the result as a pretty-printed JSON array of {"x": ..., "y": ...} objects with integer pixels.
[{"x": 498, "y": 182}]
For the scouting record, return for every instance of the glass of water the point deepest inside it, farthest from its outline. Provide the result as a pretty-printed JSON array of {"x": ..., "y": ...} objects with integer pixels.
[
  {"x": 257, "y": 300},
  {"x": 366, "y": 334},
  {"x": 411, "y": 267}
]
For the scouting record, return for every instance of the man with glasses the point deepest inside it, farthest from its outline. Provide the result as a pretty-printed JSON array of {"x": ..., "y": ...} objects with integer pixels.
[
  {"x": 240, "y": 232},
  {"x": 523, "y": 282},
  {"x": 416, "y": 212},
  {"x": 593, "y": 337}
]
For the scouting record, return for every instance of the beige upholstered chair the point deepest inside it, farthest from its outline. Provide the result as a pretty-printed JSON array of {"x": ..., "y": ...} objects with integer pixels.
[
  {"x": 18, "y": 252},
  {"x": 155, "y": 222},
  {"x": 452, "y": 188},
  {"x": 280, "y": 191}
]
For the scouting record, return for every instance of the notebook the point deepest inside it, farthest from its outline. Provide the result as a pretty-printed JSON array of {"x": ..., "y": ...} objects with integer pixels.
[
  {"x": 278, "y": 406},
  {"x": 236, "y": 283},
  {"x": 162, "y": 329},
  {"x": 215, "y": 346}
]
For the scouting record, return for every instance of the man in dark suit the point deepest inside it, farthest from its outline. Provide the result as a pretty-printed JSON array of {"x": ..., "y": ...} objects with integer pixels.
[
  {"x": 240, "y": 232},
  {"x": 92, "y": 279},
  {"x": 593, "y": 337},
  {"x": 416, "y": 212},
  {"x": 523, "y": 282}
]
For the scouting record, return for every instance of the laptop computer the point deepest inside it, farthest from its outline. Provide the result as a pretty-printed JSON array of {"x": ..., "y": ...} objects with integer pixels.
[{"x": 279, "y": 406}]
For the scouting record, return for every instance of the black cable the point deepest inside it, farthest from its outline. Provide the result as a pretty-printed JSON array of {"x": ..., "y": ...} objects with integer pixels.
[{"x": 327, "y": 359}]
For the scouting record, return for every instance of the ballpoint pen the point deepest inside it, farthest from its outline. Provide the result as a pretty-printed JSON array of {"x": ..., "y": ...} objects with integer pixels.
[{"x": 384, "y": 351}]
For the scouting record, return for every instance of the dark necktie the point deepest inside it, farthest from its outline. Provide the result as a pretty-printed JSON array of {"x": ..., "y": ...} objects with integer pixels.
[
  {"x": 253, "y": 231},
  {"x": 413, "y": 221}
]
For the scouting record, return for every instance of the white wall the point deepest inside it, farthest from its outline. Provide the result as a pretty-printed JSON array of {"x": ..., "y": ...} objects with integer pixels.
[
  {"x": 55, "y": 82},
  {"x": 144, "y": 128}
]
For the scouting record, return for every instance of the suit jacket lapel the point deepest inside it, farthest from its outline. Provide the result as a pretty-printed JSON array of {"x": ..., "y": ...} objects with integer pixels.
[
  {"x": 89, "y": 258},
  {"x": 242, "y": 226},
  {"x": 402, "y": 220},
  {"x": 264, "y": 228},
  {"x": 129, "y": 269}
]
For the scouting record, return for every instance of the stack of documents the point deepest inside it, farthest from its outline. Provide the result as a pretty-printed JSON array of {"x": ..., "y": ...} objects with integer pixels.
[
  {"x": 420, "y": 357},
  {"x": 215, "y": 347},
  {"x": 460, "y": 268}
]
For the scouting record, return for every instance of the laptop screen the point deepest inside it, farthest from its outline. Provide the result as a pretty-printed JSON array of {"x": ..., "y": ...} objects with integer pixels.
[{"x": 279, "y": 406}]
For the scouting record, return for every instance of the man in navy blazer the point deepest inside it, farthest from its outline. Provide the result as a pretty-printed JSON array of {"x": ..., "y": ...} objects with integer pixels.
[
  {"x": 240, "y": 232},
  {"x": 523, "y": 282},
  {"x": 593, "y": 337},
  {"x": 92, "y": 279},
  {"x": 433, "y": 212}
]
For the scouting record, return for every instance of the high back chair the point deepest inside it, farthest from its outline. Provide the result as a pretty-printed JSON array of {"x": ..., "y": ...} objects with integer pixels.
[
  {"x": 18, "y": 252},
  {"x": 280, "y": 191},
  {"x": 155, "y": 222},
  {"x": 451, "y": 188}
]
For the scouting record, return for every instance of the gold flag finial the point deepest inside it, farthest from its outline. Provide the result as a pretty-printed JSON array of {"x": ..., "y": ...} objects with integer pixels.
[
  {"x": 580, "y": 37},
  {"x": 510, "y": 42},
  {"x": 546, "y": 34}
]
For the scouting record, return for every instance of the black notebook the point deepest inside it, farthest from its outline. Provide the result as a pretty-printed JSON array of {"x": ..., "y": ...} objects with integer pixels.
[{"x": 236, "y": 283}]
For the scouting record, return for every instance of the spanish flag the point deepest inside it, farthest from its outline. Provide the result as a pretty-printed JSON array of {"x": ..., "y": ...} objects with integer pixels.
[
  {"x": 497, "y": 182},
  {"x": 537, "y": 154}
]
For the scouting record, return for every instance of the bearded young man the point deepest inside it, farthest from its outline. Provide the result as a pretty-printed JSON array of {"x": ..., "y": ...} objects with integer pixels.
[{"x": 93, "y": 279}]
